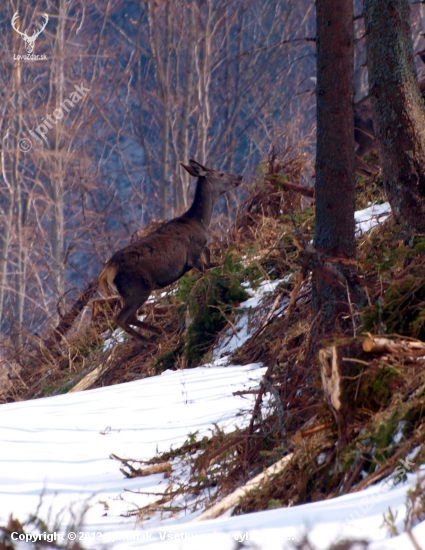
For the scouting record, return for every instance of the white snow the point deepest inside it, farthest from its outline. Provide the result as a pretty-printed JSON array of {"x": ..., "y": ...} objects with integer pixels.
[
  {"x": 242, "y": 329},
  {"x": 116, "y": 337},
  {"x": 59, "y": 447},
  {"x": 368, "y": 218}
]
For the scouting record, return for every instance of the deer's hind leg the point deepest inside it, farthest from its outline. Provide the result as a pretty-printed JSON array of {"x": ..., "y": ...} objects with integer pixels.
[
  {"x": 146, "y": 326},
  {"x": 128, "y": 314}
]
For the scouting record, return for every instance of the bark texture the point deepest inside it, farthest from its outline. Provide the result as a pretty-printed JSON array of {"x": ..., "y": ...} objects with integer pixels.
[
  {"x": 399, "y": 112},
  {"x": 334, "y": 231}
]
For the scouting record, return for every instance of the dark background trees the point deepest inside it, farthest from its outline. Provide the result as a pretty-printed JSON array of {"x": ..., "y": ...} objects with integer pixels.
[
  {"x": 215, "y": 81},
  {"x": 219, "y": 82}
]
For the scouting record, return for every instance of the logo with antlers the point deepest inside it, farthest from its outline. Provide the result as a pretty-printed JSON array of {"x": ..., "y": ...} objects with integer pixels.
[{"x": 29, "y": 40}]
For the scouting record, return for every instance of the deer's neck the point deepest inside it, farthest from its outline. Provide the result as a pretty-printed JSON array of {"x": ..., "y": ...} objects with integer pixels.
[{"x": 203, "y": 203}]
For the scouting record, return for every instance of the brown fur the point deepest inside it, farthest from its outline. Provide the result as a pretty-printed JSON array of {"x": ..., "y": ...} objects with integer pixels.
[
  {"x": 163, "y": 256},
  {"x": 364, "y": 137}
]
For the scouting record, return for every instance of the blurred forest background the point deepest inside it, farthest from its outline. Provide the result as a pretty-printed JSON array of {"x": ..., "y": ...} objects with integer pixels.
[{"x": 221, "y": 82}]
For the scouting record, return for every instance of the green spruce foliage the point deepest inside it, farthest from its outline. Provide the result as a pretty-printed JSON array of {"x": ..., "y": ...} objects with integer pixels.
[{"x": 209, "y": 300}]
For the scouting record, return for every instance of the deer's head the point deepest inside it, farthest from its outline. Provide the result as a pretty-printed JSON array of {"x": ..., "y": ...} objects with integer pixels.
[{"x": 220, "y": 181}]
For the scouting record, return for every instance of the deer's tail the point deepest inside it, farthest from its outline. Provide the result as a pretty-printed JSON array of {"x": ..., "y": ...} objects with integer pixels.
[{"x": 106, "y": 279}]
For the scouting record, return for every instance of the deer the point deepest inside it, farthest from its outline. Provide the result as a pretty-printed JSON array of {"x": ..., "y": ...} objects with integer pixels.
[
  {"x": 364, "y": 134},
  {"x": 163, "y": 256},
  {"x": 364, "y": 137},
  {"x": 29, "y": 40}
]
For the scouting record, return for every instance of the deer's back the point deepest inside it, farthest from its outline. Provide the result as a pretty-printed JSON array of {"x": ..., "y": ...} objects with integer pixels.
[{"x": 163, "y": 256}]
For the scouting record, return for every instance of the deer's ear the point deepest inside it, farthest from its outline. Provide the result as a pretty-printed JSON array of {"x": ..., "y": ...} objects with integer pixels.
[
  {"x": 195, "y": 169},
  {"x": 189, "y": 169},
  {"x": 199, "y": 169}
]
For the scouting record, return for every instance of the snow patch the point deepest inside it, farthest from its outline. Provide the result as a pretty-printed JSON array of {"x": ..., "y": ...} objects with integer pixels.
[{"x": 368, "y": 218}]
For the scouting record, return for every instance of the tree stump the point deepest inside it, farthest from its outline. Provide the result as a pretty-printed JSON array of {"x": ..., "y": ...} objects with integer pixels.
[{"x": 341, "y": 376}]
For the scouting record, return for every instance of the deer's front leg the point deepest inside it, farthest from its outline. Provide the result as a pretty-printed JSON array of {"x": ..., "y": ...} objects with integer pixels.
[
  {"x": 206, "y": 258},
  {"x": 202, "y": 262},
  {"x": 205, "y": 261}
]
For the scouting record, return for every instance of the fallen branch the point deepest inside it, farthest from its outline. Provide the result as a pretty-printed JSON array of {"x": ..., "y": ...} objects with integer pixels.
[
  {"x": 234, "y": 498},
  {"x": 379, "y": 344},
  {"x": 164, "y": 468},
  {"x": 234, "y": 441},
  {"x": 316, "y": 429},
  {"x": 270, "y": 313},
  {"x": 159, "y": 468},
  {"x": 94, "y": 375},
  {"x": 306, "y": 191},
  {"x": 384, "y": 470}
]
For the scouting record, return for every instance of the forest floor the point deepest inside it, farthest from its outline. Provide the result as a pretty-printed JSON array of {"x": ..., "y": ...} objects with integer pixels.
[{"x": 255, "y": 308}]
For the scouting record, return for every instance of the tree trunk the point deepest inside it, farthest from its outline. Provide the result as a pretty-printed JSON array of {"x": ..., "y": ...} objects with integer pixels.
[
  {"x": 57, "y": 173},
  {"x": 399, "y": 112},
  {"x": 203, "y": 59},
  {"x": 165, "y": 145},
  {"x": 161, "y": 61},
  {"x": 334, "y": 229},
  {"x": 184, "y": 182}
]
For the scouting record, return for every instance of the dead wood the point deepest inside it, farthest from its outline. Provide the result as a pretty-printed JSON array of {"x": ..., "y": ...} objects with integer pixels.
[
  {"x": 209, "y": 458},
  {"x": 340, "y": 379},
  {"x": 164, "y": 468},
  {"x": 91, "y": 378},
  {"x": 401, "y": 347},
  {"x": 305, "y": 191},
  {"x": 312, "y": 431},
  {"x": 234, "y": 498},
  {"x": 158, "y": 468},
  {"x": 384, "y": 470}
]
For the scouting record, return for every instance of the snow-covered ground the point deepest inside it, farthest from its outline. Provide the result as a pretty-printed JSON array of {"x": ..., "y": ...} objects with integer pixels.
[
  {"x": 60, "y": 447},
  {"x": 55, "y": 457},
  {"x": 235, "y": 336}
]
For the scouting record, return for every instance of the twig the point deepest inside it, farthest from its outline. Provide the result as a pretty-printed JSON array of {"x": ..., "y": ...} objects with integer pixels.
[
  {"x": 354, "y": 475},
  {"x": 272, "y": 310},
  {"x": 378, "y": 475},
  {"x": 270, "y": 313},
  {"x": 310, "y": 338},
  {"x": 316, "y": 429},
  {"x": 413, "y": 539},
  {"x": 350, "y": 305},
  {"x": 220, "y": 450}
]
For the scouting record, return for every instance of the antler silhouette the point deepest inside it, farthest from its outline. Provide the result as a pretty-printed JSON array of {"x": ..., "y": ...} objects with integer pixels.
[{"x": 29, "y": 40}]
